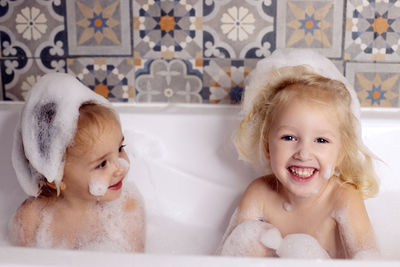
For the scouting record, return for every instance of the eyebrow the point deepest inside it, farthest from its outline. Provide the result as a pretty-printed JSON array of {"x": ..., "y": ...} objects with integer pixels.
[
  {"x": 104, "y": 156},
  {"x": 290, "y": 128}
]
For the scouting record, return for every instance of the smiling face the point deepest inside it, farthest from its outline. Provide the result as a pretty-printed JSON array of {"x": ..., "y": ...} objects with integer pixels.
[
  {"x": 96, "y": 171},
  {"x": 303, "y": 146}
]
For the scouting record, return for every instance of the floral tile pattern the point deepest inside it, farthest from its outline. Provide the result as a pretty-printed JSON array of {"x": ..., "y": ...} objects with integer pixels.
[
  {"x": 372, "y": 30},
  {"x": 168, "y": 81},
  {"x": 98, "y": 27},
  {"x": 225, "y": 79},
  {"x": 377, "y": 85},
  {"x": 38, "y": 25},
  {"x": 19, "y": 74},
  {"x": 194, "y": 51},
  {"x": 310, "y": 24},
  {"x": 167, "y": 29},
  {"x": 112, "y": 78},
  {"x": 238, "y": 29}
]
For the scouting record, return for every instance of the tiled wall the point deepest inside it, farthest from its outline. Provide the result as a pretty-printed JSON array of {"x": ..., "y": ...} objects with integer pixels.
[{"x": 197, "y": 51}]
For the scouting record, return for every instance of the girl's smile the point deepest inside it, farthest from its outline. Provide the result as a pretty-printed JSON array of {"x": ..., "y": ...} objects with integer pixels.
[
  {"x": 303, "y": 146},
  {"x": 302, "y": 174}
]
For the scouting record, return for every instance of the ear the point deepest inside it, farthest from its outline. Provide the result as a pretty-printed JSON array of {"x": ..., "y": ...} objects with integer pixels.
[{"x": 52, "y": 185}]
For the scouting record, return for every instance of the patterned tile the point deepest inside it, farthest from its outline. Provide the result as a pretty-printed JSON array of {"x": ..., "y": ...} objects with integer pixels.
[
  {"x": 99, "y": 27},
  {"x": 310, "y": 24},
  {"x": 377, "y": 85},
  {"x": 19, "y": 74},
  {"x": 32, "y": 28},
  {"x": 112, "y": 78},
  {"x": 238, "y": 29},
  {"x": 167, "y": 29},
  {"x": 172, "y": 81},
  {"x": 225, "y": 79},
  {"x": 339, "y": 65},
  {"x": 372, "y": 30}
]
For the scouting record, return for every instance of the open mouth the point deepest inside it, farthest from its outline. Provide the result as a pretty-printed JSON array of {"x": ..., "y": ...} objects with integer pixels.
[
  {"x": 302, "y": 174},
  {"x": 116, "y": 186}
]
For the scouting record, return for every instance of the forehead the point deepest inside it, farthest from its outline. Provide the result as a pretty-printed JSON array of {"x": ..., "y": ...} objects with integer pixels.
[
  {"x": 300, "y": 112},
  {"x": 95, "y": 134}
]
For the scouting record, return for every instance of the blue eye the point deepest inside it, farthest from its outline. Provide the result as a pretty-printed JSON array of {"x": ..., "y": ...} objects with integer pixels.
[
  {"x": 121, "y": 148},
  {"x": 322, "y": 140},
  {"x": 288, "y": 138},
  {"x": 101, "y": 165}
]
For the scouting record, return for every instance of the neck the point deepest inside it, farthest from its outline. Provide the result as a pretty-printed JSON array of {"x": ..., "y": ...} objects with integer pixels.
[
  {"x": 77, "y": 203},
  {"x": 300, "y": 202}
]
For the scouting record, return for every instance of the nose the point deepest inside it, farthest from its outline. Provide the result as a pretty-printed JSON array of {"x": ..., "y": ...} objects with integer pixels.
[
  {"x": 303, "y": 152},
  {"x": 121, "y": 166}
]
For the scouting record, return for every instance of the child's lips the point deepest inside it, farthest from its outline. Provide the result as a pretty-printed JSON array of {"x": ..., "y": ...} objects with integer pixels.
[{"x": 116, "y": 186}]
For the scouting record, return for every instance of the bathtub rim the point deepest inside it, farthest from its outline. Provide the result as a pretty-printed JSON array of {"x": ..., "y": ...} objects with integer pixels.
[{"x": 55, "y": 257}]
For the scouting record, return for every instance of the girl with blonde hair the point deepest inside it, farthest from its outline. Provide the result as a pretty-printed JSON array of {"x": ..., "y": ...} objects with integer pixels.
[{"x": 301, "y": 127}]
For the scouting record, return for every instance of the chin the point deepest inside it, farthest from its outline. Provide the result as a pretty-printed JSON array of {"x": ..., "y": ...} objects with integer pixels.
[{"x": 111, "y": 196}]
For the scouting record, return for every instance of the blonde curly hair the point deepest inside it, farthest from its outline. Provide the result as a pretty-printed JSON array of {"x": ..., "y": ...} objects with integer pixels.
[{"x": 251, "y": 139}]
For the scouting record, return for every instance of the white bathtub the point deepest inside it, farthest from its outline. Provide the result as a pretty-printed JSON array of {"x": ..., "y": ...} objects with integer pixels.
[{"x": 191, "y": 189}]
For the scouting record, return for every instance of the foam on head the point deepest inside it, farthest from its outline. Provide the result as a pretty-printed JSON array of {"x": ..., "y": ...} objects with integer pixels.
[
  {"x": 290, "y": 58},
  {"x": 47, "y": 127}
]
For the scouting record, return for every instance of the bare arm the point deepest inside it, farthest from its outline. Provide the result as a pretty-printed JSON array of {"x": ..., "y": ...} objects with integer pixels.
[
  {"x": 23, "y": 226},
  {"x": 137, "y": 225},
  {"x": 355, "y": 228},
  {"x": 242, "y": 237}
]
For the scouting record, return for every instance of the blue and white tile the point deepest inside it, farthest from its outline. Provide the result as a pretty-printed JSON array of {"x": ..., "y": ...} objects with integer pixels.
[
  {"x": 111, "y": 77},
  {"x": 376, "y": 84},
  {"x": 167, "y": 29},
  {"x": 171, "y": 81},
  {"x": 19, "y": 74},
  {"x": 310, "y": 24},
  {"x": 238, "y": 29},
  {"x": 372, "y": 31},
  {"x": 225, "y": 79},
  {"x": 99, "y": 27},
  {"x": 39, "y": 25}
]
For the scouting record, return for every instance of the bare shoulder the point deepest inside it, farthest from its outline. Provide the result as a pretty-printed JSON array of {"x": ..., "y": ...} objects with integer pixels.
[
  {"x": 133, "y": 206},
  {"x": 353, "y": 221},
  {"x": 256, "y": 196},
  {"x": 260, "y": 186},
  {"x": 26, "y": 221},
  {"x": 346, "y": 197}
]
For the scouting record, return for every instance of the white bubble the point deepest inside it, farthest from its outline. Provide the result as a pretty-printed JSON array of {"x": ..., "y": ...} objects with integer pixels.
[
  {"x": 244, "y": 240},
  {"x": 97, "y": 188},
  {"x": 328, "y": 173},
  {"x": 301, "y": 246},
  {"x": 271, "y": 238},
  {"x": 287, "y": 206},
  {"x": 123, "y": 164}
]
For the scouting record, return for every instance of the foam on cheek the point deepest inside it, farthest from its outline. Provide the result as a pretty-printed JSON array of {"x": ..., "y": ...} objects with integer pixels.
[
  {"x": 328, "y": 173},
  {"x": 97, "y": 187}
]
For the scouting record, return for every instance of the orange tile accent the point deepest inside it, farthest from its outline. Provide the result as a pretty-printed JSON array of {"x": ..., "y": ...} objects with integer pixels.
[
  {"x": 167, "y": 23},
  {"x": 101, "y": 89},
  {"x": 380, "y": 25}
]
